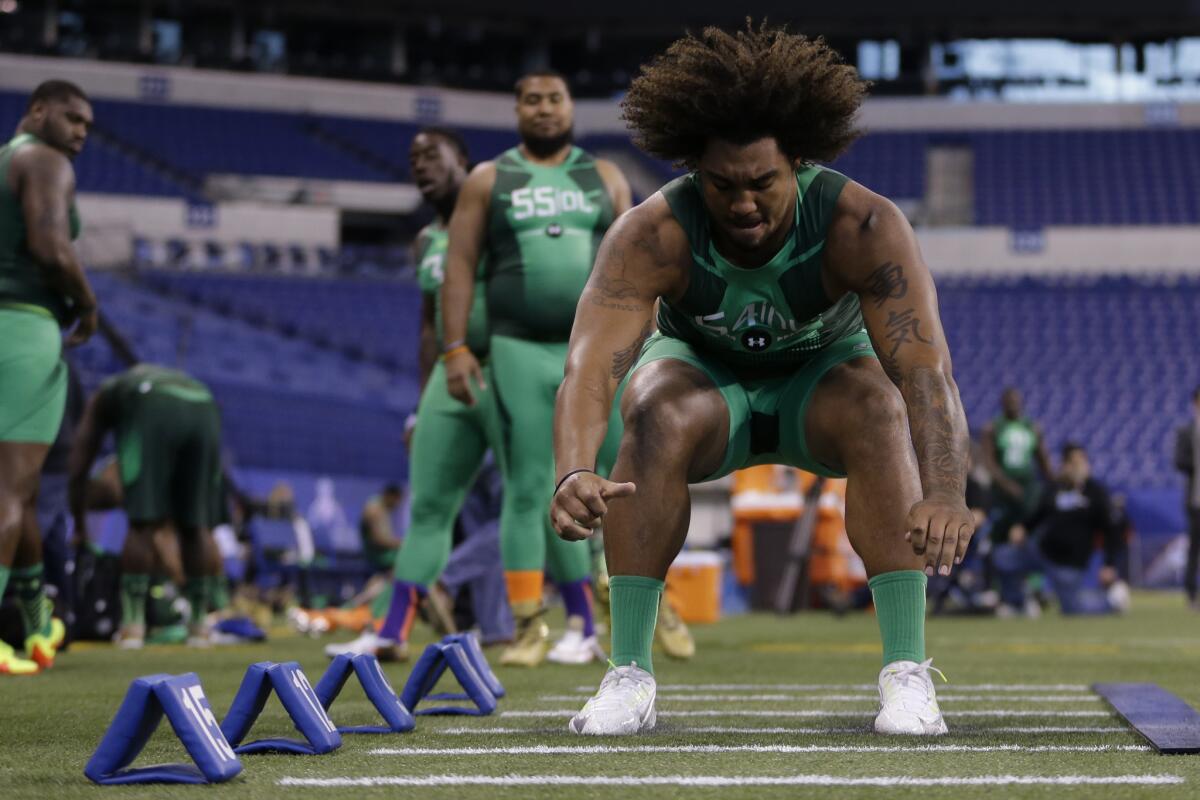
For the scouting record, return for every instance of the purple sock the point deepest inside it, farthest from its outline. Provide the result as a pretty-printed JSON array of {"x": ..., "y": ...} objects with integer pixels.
[
  {"x": 399, "y": 619},
  {"x": 577, "y": 597}
]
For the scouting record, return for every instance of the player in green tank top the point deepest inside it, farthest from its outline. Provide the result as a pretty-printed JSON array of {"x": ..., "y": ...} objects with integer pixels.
[
  {"x": 42, "y": 288},
  {"x": 799, "y": 326},
  {"x": 1014, "y": 451},
  {"x": 168, "y": 444},
  {"x": 449, "y": 439},
  {"x": 537, "y": 213}
]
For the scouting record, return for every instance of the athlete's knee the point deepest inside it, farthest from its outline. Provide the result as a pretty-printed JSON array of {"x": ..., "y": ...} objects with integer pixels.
[{"x": 12, "y": 513}]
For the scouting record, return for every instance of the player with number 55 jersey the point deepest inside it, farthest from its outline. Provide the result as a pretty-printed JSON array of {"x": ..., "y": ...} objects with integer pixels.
[{"x": 537, "y": 215}]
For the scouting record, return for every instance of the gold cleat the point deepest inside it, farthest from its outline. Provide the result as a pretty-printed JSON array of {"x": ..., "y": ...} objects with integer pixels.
[
  {"x": 533, "y": 638},
  {"x": 672, "y": 632}
]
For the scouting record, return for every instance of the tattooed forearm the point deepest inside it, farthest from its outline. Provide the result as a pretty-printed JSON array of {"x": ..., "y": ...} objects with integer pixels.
[
  {"x": 887, "y": 282},
  {"x": 939, "y": 430},
  {"x": 624, "y": 359}
]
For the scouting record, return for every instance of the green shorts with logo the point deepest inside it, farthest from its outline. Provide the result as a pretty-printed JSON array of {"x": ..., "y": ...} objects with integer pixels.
[
  {"x": 169, "y": 451},
  {"x": 33, "y": 377},
  {"x": 766, "y": 416}
]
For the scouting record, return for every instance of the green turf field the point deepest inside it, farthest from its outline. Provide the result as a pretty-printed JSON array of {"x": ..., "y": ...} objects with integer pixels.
[{"x": 1017, "y": 704}]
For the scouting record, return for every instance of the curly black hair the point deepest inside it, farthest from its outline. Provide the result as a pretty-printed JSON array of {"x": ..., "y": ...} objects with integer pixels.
[{"x": 740, "y": 87}]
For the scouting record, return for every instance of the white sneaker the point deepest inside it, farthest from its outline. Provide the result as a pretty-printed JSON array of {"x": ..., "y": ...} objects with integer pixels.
[
  {"x": 1119, "y": 597},
  {"x": 623, "y": 705},
  {"x": 370, "y": 644},
  {"x": 907, "y": 702},
  {"x": 366, "y": 644},
  {"x": 574, "y": 647}
]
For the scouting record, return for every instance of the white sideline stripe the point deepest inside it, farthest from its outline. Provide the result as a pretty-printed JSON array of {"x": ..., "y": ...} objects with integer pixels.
[
  {"x": 813, "y": 687},
  {"x": 586, "y": 750},
  {"x": 725, "y": 780},
  {"x": 808, "y": 712},
  {"x": 847, "y": 698},
  {"x": 1024, "y": 729}
]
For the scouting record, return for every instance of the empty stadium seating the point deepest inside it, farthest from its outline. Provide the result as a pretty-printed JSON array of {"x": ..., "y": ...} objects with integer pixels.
[
  {"x": 1109, "y": 362},
  {"x": 375, "y": 319}
]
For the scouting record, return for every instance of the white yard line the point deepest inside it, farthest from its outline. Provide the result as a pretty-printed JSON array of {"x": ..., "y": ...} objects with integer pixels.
[
  {"x": 730, "y": 780},
  {"x": 809, "y": 712},
  {"x": 846, "y": 698},
  {"x": 1022, "y": 729},
  {"x": 814, "y": 687},
  {"x": 587, "y": 750}
]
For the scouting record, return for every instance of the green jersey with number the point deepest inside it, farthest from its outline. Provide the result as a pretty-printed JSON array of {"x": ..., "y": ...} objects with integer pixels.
[
  {"x": 23, "y": 281},
  {"x": 432, "y": 243},
  {"x": 771, "y": 318},
  {"x": 1016, "y": 447},
  {"x": 544, "y": 227}
]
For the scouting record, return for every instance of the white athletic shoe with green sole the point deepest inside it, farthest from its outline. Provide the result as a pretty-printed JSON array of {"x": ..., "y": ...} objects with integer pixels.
[
  {"x": 624, "y": 704},
  {"x": 907, "y": 702}
]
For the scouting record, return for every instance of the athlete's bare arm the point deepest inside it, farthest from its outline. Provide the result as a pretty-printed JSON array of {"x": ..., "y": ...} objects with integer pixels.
[
  {"x": 871, "y": 250},
  {"x": 467, "y": 230},
  {"x": 618, "y": 188},
  {"x": 644, "y": 256},
  {"x": 93, "y": 425},
  {"x": 45, "y": 182}
]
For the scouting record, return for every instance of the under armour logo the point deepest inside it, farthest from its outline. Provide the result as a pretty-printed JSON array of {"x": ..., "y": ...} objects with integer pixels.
[{"x": 756, "y": 340}]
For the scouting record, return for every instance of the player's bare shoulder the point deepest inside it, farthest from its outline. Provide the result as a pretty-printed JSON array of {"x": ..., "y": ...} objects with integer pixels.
[
  {"x": 649, "y": 245},
  {"x": 42, "y": 163},
  {"x": 865, "y": 225}
]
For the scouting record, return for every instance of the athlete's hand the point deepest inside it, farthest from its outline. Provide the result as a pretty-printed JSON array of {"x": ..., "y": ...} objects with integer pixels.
[
  {"x": 940, "y": 529},
  {"x": 462, "y": 369},
  {"x": 86, "y": 325},
  {"x": 579, "y": 505}
]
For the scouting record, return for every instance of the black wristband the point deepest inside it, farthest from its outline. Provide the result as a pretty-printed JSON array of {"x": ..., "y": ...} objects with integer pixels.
[{"x": 563, "y": 479}]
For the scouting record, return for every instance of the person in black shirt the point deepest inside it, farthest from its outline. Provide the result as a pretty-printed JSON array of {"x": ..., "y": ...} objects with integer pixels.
[{"x": 1058, "y": 539}]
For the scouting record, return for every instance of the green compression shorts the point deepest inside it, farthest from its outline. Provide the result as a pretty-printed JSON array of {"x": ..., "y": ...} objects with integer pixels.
[
  {"x": 784, "y": 399},
  {"x": 33, "y": 377},
  {"x": 526, "y": 376},
  {"x": 169, "y": 451},
  {"x": 448, "y": 446}
]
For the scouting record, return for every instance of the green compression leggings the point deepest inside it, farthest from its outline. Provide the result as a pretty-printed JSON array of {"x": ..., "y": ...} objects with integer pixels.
[
  {"x": 526, "y": 378},
  {"x": 448, "y": 447}
]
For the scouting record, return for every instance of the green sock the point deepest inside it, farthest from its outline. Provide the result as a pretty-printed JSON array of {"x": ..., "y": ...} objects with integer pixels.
[
  {"x": 220, "y": 592},
  {"x": 197, "y": 591},
  {"x": 634, "y": 603},
  {"x": 900, "y": 609},
  {"x": 4, "y": 573},
  {"x": 134, "y": 590},
  {"x": 31, "y": 599}
]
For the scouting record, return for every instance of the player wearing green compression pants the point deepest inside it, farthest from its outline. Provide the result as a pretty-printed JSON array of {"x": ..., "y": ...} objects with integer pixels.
[
  {"x": 536, "y": 214},
  {"x": 778, "y": 282},
  {"x": 168, "y": 434},
  {"x": 449, "y": 439},
  {"x": 42, "y": 290}
]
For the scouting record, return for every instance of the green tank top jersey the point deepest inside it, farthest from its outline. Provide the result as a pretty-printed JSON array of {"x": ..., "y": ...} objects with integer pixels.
[
  {"x": 772, "y": 318},
  {"x": 432, "y": 244},
  {"x": 126, "y": 389},
  {"x": 1016, "y": 446},
  {"x": 544, "y": 227},
  {"x": 23, "y": 281}
]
